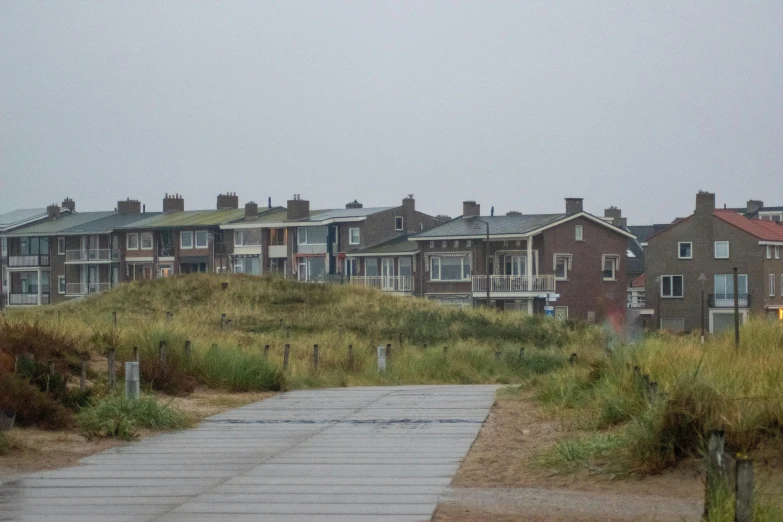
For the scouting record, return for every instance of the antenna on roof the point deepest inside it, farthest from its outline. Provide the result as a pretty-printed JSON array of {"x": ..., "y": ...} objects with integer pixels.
[{"x": 492, "y": 211}]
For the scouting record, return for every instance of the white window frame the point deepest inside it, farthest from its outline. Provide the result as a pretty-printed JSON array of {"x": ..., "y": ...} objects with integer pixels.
[
  {"x": 456, "y": 243},
  {"x": 303, "y": 232},
  {"x": 399, "y": 223},
  {"x": 679, "y": 251},
  {"x": 182, "y": 236},
  {"x": 579, "y": 233},
  {"x": 142, "y": 237},
  {"x": 358, "y": 236},
  {"x": 567, "y": 258},
  {"x": 206, "y": 239},
  {"x": 772, "y": 286},
  {"x": 61, "y": 246},
  {"x": 465, "y": 260},
  {"x": 128, "y": 246},
  {"x": 769, "y": 251},
  {"x": 615, "y": 267},
  {"x": 671, "y": 287},
  {"x": 715, "y": 250},
  {"x": 61, "y": 287},
  {"x": 468, "y": 243},
  {"x": 777, "y": 251}
]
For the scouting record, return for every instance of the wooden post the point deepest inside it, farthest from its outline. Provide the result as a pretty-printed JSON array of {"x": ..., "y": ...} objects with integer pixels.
[
  {"x": 572, "y": 359},
  {"x": 83, "y": 376},
  {"x": 285, "y": 355},
  {"x": 288, "y": 332},
  {"x": 162, "y": 353},
  {"x": 228, "y": 323},
  {"x": 743, "y": 507},
  {"x": 715, "y": 466},
  {"x": 169, "y": 316},
  {"x": 388, "y": 350},
  {"x": 224, "y": 286},
  {"x": 350, "y": 357},
  {"x": 736, "y": 309},
  {"x": 266, "y": 351},
  {"x": 188, "y": 351},
  {"x": 136, "y": 353},
  {"x": 445, "y": 350},
  {"x": 281, "y": 326},
  {"x": 114, "y": 319},
  {"x": 58, "y": 315},
  {"x": 521, "y": 353},
  {"x": 222, "y": 321},
  {"x": 315, "y": 357},
  {"x": 112, "y": 376}
]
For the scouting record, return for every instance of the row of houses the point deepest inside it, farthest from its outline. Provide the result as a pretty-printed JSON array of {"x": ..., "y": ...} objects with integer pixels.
[{"x": 569, "y": 263}]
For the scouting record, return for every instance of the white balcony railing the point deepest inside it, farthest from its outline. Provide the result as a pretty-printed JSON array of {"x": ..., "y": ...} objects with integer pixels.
[
  {"x": 86, "y": 288},
  {"x": 91, "y": 255},
  {"x": 28, "y": 261},
  {"x": 511, "y": 284},
  {"x": 385, "y": 283},
  {"x": 27, "y": 299}
]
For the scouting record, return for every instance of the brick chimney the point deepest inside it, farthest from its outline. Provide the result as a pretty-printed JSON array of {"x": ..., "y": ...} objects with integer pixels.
[
  {"x": 53, "y": 211},
  {"x": 129, "y": 206},
  {"x": 354, "y": 204},
  {"x": 69, "y": 204},
  {"x": 251, "y": 210},
  {"x": 297, "y": 208},
  {"x": 705, "y": 203},
  {"x": 471, "y": 208},
  {"x": 173, "y": 203},
  {"x": 573, "y": 206},
  {"x": 409, "y": 209},
  {"x": 615, "y": 217},
  {"x": 227, "y": 201},
  {"x": 754, "y": 206}
]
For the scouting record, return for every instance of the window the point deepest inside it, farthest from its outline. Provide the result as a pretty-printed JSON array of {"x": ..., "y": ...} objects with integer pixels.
[
  {"x": 685, "y": 250},
  {"x": 371, "y": 266},
  {"x": 61, "y": 246},
  {"x": 201, "y": 239},
  {"x": 777, "y": 252},
  {"x": 247, "y": 265},
  {"x": 562, "y": 264},
  {"x": 312, "y": 236},
  {"x": 468, "y": 243},
  {"x": 186, "y": 239},
  {"x": 60, "y": 284},
  {"x": 277, "y": 266},
  {"x": 772, "y": 285},
  {"x": 672, "y": 286},
  {"x": 146, "y": 240},
  {"x": 450, "y": 268},
  {"x": 673, "y": 324},
  {"x": 444, "y": 244},
  {"x": 610, "y": 264},
  {"x": 721, "y": 250},
  {"x": 579, "y": 233},
  {"x": 456, "y": 244},
  {"x": 247, "y": 237},
  {"x": 769, "y": 251},
  {"x": 353, "y": 236},
  {"x": 278, "y": 236},
  {"x": 4, "y": 246},
  {"x": 312, "y": 268},
  {"x": 724, "y": 287},
  {"x": 133, "y": 241},
  {"x": 398, "y": 223},
  {"x": 432, "y": 244}
]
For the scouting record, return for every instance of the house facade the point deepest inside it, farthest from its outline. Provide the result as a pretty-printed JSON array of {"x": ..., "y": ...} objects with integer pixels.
[
  {"x": 569, "y": 264},
  {"x": 697, "y": 255}
]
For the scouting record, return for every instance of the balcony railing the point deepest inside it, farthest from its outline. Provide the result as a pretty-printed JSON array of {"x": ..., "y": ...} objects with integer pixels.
[
  {"x": 86, "y": 288},
  {"x": 91, "y": 255},
  {"x": 27, "y": 299},
  {"x": 28, "y": 261},
  {"x": 511, "y": 284},
  {"x": 727, "y": 300},
  {"x": 385, "y": 283}
]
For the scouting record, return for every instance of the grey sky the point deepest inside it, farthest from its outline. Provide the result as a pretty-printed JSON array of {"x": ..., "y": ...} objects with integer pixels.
[{"x": 514, "y": 104}]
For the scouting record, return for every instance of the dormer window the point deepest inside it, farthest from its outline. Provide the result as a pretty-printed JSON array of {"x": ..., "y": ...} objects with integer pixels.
[{"x": 398, "y": 223}]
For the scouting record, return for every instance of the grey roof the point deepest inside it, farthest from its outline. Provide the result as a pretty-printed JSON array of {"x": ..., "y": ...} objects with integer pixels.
[
  {"x": 60, "y": 225},
  {"x": 107, "y": 224},
  {"x": 644, "y": 232},
  {"x": 344, "y": 213},
  {"x": 498, "y": 225},
  {"x": 398, "y": 244},
  {"x": 18, "y": 217}
]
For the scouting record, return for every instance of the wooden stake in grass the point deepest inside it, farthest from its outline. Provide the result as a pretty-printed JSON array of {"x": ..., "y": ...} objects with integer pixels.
[
  {"x": 350, "y": 357},
  {"x": 266, "y": 351},
  {"x": 169, "y": 317},
  {"x": 188, "y": 351},
  {"x": 162, "y": 353},
  {"x": 521, "y": 353},
  {"x": 717, "y": 466},
  {"x": 83, "y": 376},
  {"x": 445, "y": 350},
  {"x": 222, "y": 321},
  {"x": 112, "y": 376},
  {"x": 572, "y": 359},
  {"x": 743, "y": 507},
  {"x": 315, "y": 357},
  {"x": 388, "y": 350},
  {"x": 136, "y": 353},
  {"x": 285, "y": 355},
  {"x": 114, "y": 319}
]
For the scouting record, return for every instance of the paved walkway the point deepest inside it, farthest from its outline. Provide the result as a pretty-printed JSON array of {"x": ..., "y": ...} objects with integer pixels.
[{"x": 350, "y": 454}]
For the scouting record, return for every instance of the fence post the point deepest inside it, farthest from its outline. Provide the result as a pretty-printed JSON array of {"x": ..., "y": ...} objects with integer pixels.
[
  {"x": 132, "y": 385},
  {"x": 285, "y": 355},
  {"x": 315, "y": 357},
  {"x": 281, "y": 326},
  {"x": 114, "y": 319},
  {"x": 188, "y": 351},
  {"x": 83, "y": 376},
  {"x": 162, "y": 354},
  {"x": 169, "y": 316},
  {"x": 136, "y": 353},
  {"x": 715, "y": 466},
  {"x": 228, "y": 324},
  {"x": 388, "y": 350},
  {"x": 222, "y": 321},
  {"x": 445, "y": 350},
  {"x": 521, "y": 353},
  {"x": 288, "y": 332},
  {"x": 572, "y": 359},
  {"x": 266, "y": 351},
  {"x": 743, "y": 507},
  {"x": 112, "y": 376},
  {"x": 350, "y": 357}
]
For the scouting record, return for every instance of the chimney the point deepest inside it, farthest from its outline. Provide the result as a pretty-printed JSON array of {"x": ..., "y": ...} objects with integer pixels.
[
  {"x": 705, "y": 203},
  {"x": 227, "y": 201},
  {"x": 69, "y": 204},
  {"x": 754, "y": 206},
  {"x": 297, "y": 208},
  {"x": 470, "y": 208},
  {"x": 53, "y": 211},
  {"x": 354, "y": 204},
  {"x": 173, "y": 203},
  {"x": 409, "y": 209},
  {"x": 573, "y": 206},
  {"x": 615, "y": 217},
  {"x": 251, "y": 210},
  {"x": 269, "y": 202},
  {"x": 129, "y": 206}
]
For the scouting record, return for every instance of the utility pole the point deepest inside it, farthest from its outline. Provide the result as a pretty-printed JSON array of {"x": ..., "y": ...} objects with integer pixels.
[{"x": 736, "y": 309}]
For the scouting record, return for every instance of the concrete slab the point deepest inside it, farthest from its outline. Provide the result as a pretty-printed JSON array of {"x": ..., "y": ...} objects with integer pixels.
[{"x": 353, "y": 454}]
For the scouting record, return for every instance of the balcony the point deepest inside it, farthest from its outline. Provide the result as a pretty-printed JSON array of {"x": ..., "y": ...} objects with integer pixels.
[
  {"x": 727, "y": 300},
  {"x": 501, "y": 284},
  {"x": 27, "y": 299},
  {"x": 86, "y": 288},
  {"x": 92, "y": 255},
  {"x": 33, "y": 261},
  {"x": 384, "y": 283}
]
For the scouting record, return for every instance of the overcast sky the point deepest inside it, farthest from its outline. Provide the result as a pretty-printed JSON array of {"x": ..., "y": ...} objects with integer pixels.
[{"x": 513, "y": 104}]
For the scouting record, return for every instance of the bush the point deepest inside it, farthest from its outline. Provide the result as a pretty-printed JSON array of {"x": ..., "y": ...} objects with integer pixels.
[
  {"x": 118, "y": 417},
  {"x": 36, "y": 340},
  {"x": 33, "y": 407},
  {"x": 237, "y": 370},
  {"x": 169, "y": 379},
  {"x": 5, "y": 444}
]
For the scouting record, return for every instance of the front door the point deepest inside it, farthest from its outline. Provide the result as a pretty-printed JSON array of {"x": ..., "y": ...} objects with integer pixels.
[
  {"x": 387, "y": 273},
  {"x": 350, "y": 266}
]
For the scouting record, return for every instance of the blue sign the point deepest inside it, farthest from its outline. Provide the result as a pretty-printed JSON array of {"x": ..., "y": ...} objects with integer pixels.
[{"x": 549, "y": 311}]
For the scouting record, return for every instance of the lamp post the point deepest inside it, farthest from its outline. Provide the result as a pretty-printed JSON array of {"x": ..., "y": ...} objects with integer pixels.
[
  {"x": 476, "y": 225},
  {"x": 702, "y": 280},
  {"x": 658, "y": 302}
]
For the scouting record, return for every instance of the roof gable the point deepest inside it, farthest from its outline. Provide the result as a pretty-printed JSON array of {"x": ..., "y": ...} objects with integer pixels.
[{"x": 759, "y": 228}]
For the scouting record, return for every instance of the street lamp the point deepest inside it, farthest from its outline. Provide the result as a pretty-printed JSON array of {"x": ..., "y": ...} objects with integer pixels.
[
  {"x": 658, "y": 302},
  {"x": 702, "y": 280},
  {"x": 476, "y": 226}
]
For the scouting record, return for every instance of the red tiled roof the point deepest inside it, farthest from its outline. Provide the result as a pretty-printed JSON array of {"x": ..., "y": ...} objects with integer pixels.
[
  {"x": 761, "y": 228},
  {"x": 639, "y": 281}
]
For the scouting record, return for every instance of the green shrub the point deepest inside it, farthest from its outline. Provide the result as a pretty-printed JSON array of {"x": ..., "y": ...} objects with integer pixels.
[
  {"x": 236, "y": 370},
  {"x": 33, "y": 407},
  {"x": 5, "y": 444},
  {"x": 115, "y": 416}
]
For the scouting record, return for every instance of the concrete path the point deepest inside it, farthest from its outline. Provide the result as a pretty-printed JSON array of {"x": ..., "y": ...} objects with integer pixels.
[{"x": 350, "y": 454}]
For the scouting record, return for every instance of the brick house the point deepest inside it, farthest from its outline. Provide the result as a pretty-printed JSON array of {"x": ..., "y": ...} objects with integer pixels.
[
  {"x": 711, "y": 243},
  {"x": 574, "y": 261}
]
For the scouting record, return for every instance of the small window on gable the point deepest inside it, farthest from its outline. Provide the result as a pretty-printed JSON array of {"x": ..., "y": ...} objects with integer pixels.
[
  {"x": 610, "y": 265},
  {"x": 579, "y": 233},
  {"x": 61, "y": 245},
  {"x": 721, "y": 250},
  {"x": 353, "y": 236},
  {"x": 398, "y": 223},
  {"x": 685, "y": 250}
]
